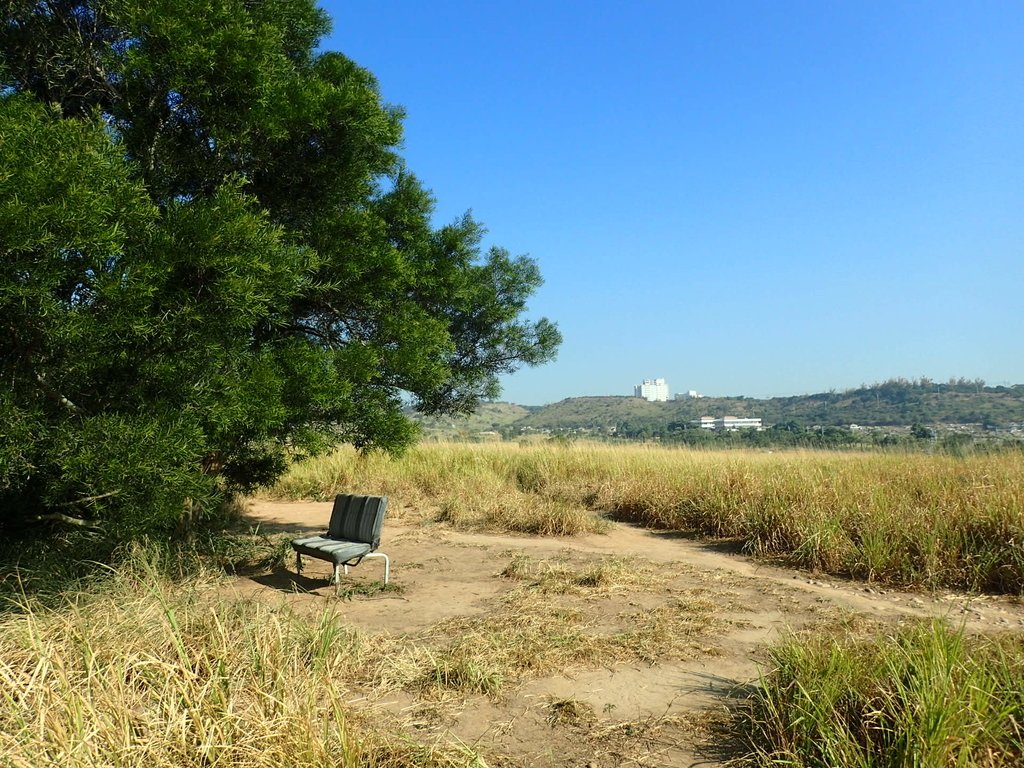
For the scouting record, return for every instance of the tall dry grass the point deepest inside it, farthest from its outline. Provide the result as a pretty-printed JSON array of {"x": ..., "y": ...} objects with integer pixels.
[
  {"x": 909, "y": 519},
  {"x": 141, "y": 671}
]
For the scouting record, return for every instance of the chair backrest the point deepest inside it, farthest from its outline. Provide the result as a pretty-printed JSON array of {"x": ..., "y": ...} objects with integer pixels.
[{"x": 358, "y": 518}]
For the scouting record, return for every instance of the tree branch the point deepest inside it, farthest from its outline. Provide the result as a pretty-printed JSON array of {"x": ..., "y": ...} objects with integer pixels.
[
  {"x": 87, "y": 499},
  {"x": 67, "y": 520},
  {"x": 55, "y": 395}
]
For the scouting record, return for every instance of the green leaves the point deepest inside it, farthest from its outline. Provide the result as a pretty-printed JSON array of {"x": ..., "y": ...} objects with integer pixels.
[{"x": 214, "y": 256}]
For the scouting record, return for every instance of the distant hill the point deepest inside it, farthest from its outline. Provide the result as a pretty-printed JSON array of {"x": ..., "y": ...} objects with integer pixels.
[
  {"x": 894, "y": 403},
  {"x": 489, "y": 417}
]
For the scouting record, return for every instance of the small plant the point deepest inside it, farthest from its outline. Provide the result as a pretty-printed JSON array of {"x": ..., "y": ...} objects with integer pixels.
[
  {"x": 569, "y": 712},
  {"x": 369, "y": 589},
  {"x": 463, "y": 672}
]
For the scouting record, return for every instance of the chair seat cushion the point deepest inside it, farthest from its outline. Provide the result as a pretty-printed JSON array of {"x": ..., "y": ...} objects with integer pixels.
[{"x": 331, "y": 549}]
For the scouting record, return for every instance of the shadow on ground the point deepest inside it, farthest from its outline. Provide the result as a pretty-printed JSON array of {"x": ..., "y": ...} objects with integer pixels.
[
  {"x": 275, "y": 525},
  {"x": 730, "y": 546},
  {"x": 284, "y": 580}
]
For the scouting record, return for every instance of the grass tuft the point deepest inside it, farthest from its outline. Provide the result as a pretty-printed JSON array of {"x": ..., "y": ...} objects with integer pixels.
[
  {"x": 569, "y": 712},
  {"x": 594, "y": 576},
  {"x": 926, "y": 695}
]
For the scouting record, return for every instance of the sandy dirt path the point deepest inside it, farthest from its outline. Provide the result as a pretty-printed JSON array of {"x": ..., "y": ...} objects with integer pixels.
[{"x": 637, "y": 713}]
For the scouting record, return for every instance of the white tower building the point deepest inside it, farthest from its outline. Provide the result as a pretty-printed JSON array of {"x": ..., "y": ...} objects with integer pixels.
[{"x": 655, "y": 390}]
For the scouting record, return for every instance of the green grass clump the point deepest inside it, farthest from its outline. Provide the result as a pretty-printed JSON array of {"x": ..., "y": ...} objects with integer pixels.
[{"x": 925, "y": 696}]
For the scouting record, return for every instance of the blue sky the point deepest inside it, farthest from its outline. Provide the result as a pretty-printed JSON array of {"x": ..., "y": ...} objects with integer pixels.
[{"x": 756, "y": 198}]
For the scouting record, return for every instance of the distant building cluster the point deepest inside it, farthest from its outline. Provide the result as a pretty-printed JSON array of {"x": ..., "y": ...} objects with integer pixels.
[
  {"x": 653, "y": 390},
  {"x": 692, "y": 394},
  {"x": 727, "y": 423},
  {"x": 656, "y": 391}
]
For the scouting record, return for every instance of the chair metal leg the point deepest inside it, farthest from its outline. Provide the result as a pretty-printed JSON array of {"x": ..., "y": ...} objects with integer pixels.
[
  {"x": 387, "y": 564},
  {"x": 337, "y": 581},
  {"x": 298, "y": 563},
  {"x": 338, "y": 567}
]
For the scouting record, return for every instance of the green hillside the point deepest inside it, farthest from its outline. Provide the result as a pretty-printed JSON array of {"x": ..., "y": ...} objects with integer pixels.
[
  {"x": 489, "y": 417},
  {"x": 897, "y": 403}
]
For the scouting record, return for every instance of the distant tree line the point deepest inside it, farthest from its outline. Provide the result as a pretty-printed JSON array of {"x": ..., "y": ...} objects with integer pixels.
[
  {"x": 893, "y": 403},
  {"x": 790, "y": 435}
]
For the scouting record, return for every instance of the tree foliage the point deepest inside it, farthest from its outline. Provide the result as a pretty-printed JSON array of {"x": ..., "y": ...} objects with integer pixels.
[{"x": 214, "y": 254}]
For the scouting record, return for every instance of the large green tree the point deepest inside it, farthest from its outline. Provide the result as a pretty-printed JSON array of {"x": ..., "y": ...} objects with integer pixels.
[{"x": 214, "y": 255}]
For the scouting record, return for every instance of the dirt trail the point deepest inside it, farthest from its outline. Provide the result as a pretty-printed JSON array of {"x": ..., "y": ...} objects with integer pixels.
[{"x": 635, "y": 713}]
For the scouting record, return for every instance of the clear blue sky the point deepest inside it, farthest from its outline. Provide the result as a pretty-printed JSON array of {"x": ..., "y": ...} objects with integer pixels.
[{"x": 758, "y": 198}]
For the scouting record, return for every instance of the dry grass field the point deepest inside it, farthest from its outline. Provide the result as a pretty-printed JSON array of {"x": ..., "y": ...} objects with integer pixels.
[
  {"x": 897, "y": 518},
  {"x": 554, "y": 606}
]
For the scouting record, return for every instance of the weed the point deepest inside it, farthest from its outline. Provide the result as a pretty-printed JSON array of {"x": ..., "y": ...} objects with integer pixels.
[
  {"x": 592, "y": 576},
  {"x": 368, "y": 589},
  {"x": 569, "y": 712}
]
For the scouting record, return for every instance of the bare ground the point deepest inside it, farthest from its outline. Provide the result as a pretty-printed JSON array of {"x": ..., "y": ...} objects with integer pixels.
[{"x": 629, "y": 709}]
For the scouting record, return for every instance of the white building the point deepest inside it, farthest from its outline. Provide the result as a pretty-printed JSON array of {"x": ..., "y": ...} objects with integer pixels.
[
  {"x": 727, "y": 423},
  {"x": 692, "y": 394},
  {"x": 655, "y": 390}
]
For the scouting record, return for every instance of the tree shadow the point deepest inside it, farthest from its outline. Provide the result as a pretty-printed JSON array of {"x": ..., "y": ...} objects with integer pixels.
[
  {"x": 723, "y": 546},
  {"x": 277, "y": 525},
  {"x": 725, "y": 688},
  {"x": 720, "y": 545},
  {"x": 728, "y": 733},
  {"x": 284, "y": 580}
]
